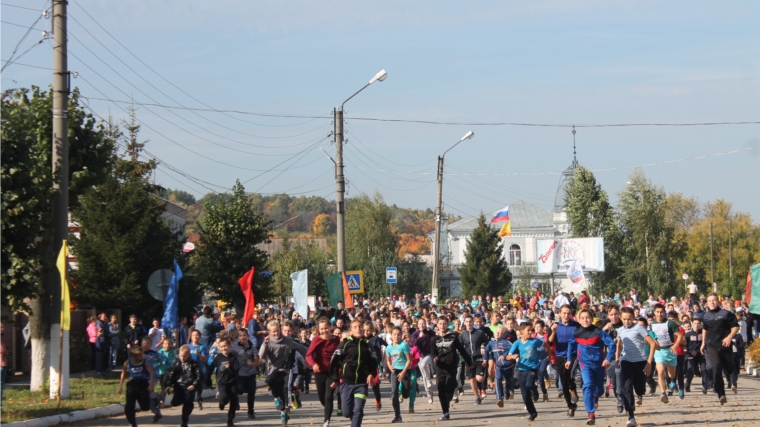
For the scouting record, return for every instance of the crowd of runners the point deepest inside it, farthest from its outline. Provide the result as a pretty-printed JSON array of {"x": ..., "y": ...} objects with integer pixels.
[{"x": 489, "y": 347}]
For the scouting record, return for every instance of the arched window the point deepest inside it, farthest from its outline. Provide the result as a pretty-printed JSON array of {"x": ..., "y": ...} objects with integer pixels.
[{"x": 514, "y": 255}]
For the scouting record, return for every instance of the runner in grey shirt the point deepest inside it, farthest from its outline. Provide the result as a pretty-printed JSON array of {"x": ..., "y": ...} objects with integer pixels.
[{"x": 634, "y": 364}]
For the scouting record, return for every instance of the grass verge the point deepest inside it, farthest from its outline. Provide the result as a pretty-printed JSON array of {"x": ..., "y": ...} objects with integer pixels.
[{"x": 85, "y": 393}]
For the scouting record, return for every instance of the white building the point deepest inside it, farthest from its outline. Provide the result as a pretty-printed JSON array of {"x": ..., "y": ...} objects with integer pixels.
[{"x": 528, "y": 222}]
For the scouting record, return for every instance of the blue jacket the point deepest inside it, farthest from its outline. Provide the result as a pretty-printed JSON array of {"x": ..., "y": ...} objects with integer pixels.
[
  {"x": 497, "y": 348},
  {"x": 564, "y": 335},
  {"x": 591, "y": 344}
]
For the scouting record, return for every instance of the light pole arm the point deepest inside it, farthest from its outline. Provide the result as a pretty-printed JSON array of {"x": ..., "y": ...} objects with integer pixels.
[{"x": 356, "y": 93}]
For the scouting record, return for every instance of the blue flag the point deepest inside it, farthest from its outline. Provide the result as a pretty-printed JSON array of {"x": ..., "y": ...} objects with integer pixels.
[{"x": 170, "y": 319}]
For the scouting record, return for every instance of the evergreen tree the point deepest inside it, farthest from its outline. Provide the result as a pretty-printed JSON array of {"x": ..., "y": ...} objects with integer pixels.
[
  {"x": 229, "y": 232},
  {"x": 124, "y": 238},
  {"x": 590, "y": 215},
  {"x": 485, "y": 269}
]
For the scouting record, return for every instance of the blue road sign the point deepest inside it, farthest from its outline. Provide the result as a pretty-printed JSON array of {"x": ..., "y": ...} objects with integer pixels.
[{"x": 391, "y": 275}]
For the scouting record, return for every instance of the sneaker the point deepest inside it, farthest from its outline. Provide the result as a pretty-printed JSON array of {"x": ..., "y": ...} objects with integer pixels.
[
  {"x": 340, "y": 412},
  {"x": 631, "y": 422},
  {"x": 532, "y": 417},
  {"x": 230, "y": 423},
  {"x": 326, "y": 424},
  {"x": 681, "y": 394},
  {"x": 483, "y": 394},
  {"x": 430, "y": 399},
  {"x": 639, "y": 400},
  {"x": 445, "y": 417},
  {"x": 251, "y": 416},
  {"x": 284, "y": 417},
  {"x": 723, "y": 400},
  {"x": 278, "y": 403},
  {"x": 200, "y": 405},
  {"x": 397, "y": 420},
  {"x": 535, "y": 397},
  {"x": 296, "y": 401},
  {"x": 560, "y": 395},
  {"x": 478, "y": 401},
  {"x": 652, "y": 390},
  {"x": 571, "y": 410},
  {"x": 619, "y": 405},
  {"x": 461, "y": 390},
  {"x": 157, "y": 417},
  {"x": 591, "y": 419},
  {"x": 547, "y": 384},
  {"x": 216, "y": 396},
  {"x": 573, "y": 397},
  {"x": 378, "y": 405},
  {"x": 671, "y": 388},
  {"x": 688, "y": 389},
  {"x": 606, "y": 394},
  {"x": 734, "y": 389},
  {"x": 500, "y": 403},
  {"x": 704, "y": 390},
  {"x": 411, "y": 409},
  {"x": 456, "y": 397},
  {"x": 546, "y": 397},
  {"x": 306, "y": 391},
  {"x": 664, "y": 398}
]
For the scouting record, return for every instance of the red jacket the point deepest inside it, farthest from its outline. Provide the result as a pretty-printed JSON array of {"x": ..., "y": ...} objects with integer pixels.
[{"x": 320, "y": 352}]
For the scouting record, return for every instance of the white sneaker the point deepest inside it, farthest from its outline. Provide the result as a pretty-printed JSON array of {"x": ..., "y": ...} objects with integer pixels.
[
  {"x": 632, "y": 422},
  {"x": 430, "y": 400}
]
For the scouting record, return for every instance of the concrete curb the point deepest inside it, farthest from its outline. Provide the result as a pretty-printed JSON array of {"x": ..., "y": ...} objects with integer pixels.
[{"x": 88, "y": 414}]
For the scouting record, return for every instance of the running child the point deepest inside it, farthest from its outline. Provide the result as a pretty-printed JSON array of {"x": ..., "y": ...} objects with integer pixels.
[
  {"x": 248, "y": 359},
  {"x": 140, "y": 385},
  {"x": 591, "y": 341},
  {"x": 446, "y": 349},
  {"x": 168, "y": 354},
  {"x": 634, "y": 364},
  {"x": 227, "y": 368},
  {"x": 199, "y": 354},
  {"x": 415, "y": 358},
  {"x": 695, "y": 358},
  {"x": 318, "y": 356},
  {"x": 185, "y": 375},
  {"x": 355, "y": 365},
  {"x": 157, "y": 363},
  {"x": 277, "y": 350},
  {"x": 377, "y": 345},
  {"x": 668, "y": 337},
  {"x": 500, "y": 369},
  {"x": 399, "y": 360},
  {"x": 526, "y": 350}
]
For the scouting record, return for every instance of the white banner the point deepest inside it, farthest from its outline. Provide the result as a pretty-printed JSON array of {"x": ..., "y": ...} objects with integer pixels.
[
  {"x": 557, "y": 255},
  {"x": 301, "y": 292}
]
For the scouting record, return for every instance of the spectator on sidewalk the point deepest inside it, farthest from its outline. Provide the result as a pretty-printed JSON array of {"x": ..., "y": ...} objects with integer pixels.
[
  {"x": 113, "y": 333},
  {"x": 92, "y": 336}
]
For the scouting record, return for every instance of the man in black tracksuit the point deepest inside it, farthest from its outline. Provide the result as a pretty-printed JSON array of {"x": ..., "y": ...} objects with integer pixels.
[
  {"x": 720, "y": 326},
  {"x": 354, "y": 362},
  {"x": 445, "y": 349},
  {"x": 473, "y": 340}
]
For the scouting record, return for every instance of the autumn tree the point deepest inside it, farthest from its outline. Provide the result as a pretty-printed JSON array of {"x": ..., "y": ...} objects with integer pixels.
[
  {"x": 485, "y": 270},
  {"x": 323, "y": 225}
]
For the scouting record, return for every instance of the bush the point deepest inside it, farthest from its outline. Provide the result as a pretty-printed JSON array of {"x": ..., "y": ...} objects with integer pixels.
[
  {"x": 754, "y": 353},
  {"x": 80, "y": 354}
]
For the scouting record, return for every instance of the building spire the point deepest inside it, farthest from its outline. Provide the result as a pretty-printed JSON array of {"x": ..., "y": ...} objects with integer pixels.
[{"x": 575, "y": 159}]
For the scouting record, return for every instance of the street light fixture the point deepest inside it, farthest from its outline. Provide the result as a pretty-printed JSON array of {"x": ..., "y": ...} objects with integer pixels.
[
  {"x": 340, "y": 181},
  {"x": 437, "y": 243}
]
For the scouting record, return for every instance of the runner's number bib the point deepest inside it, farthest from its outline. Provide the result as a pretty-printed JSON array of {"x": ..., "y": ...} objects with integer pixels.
[{"x": 663, "y": 335}]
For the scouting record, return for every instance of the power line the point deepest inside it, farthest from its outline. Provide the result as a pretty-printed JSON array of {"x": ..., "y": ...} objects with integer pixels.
[
  {"x": 29, "y": 65},
  {"x": 23, "y": 26},
  {"x": 353, "y": 135},
  {"x": 21, "y": 7},
  {"x": 28, "y": 30},
  {"x": 168, "y": 81},
  {"x": 309, "y": 148}
]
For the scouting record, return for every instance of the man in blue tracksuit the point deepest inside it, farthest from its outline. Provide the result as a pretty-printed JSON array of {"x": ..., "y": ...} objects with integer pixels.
[
  {"x": 562, "y": 333},
  {"x": 591, "y": 343},
  {"x": 498, "y": 366}
]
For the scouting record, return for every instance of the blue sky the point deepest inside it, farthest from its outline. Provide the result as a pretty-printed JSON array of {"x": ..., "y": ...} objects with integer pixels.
[{"x": 554, "y": 62}]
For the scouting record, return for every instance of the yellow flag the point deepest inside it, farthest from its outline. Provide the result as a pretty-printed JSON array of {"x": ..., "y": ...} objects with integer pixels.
[
  {"x": 62, "y": 263},
  {"x": 506, "y": 230}
]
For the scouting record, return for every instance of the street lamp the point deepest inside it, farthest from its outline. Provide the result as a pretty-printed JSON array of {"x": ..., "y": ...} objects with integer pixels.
[
  {"x": 437, "y": 243},
  {"x": 340, "y": 182}
]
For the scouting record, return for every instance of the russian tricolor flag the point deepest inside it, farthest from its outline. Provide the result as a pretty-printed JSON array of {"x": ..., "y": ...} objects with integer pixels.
[{"x": 502, "y": 215}]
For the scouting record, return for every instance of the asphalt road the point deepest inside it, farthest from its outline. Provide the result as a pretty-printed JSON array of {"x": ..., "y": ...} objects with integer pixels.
[{"x": 695, "y": 410}]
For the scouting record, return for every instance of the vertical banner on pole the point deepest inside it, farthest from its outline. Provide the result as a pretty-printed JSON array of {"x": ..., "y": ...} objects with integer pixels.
[{"x": 301, "y": 292}]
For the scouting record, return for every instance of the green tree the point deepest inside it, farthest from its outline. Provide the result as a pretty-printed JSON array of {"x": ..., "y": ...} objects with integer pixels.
[
  {"x": 368, "y": 230},
  {"x": 124, "y": 237},
  {"x": 181, "y": 196},
  {"x": 296, "y": 257},
  {"x": 590, "y": 215},
  {"x": 646, "y": 237},
  {"x": 485, "y": 269},
  {"x": 27, "y": 129},
  {"x": 230, "y": 229}
]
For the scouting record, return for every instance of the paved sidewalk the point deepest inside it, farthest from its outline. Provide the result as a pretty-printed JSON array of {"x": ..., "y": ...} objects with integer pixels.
[{"x": 742, "y": 410}]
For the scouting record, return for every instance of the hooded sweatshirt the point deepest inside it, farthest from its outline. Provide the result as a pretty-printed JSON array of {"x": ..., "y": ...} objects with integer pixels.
[
  {"x": 277, "y": 351},
  {"x": 446, "y": 351},
  {"x": 353, "y": 361}
]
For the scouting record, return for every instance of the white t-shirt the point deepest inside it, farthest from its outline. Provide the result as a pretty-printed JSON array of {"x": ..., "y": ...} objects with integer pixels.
[
  {"x": 157, "y": 335},
  {"x": 692, "y": 288}
]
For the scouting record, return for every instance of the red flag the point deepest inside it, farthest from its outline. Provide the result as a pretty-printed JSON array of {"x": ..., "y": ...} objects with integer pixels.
[
  {"x": 348, "y": 301},
  {"x": 246, "y": 285}
]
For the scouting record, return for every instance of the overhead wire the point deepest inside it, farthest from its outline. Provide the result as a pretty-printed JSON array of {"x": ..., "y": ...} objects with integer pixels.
[
  {"x": 494, "y": 186},
  {"x": 172, "y": 84},
  {"x": 30, "y": 65},
  {"x": 28, "y": 30},
  {"x": 309, "y": 148},
  {"x": 353, "y": 136}
]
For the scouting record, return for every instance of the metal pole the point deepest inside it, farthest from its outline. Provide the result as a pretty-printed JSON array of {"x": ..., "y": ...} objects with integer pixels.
[
  {"x": 712, "y": 260},
  {"x": 340, "y": 189},
  {"x": 59, "y": 371},
  {"x": 437, "y": 243}
]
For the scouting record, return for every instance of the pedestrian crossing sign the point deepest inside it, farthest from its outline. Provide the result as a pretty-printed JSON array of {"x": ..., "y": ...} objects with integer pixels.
[{"x": 355, "y": 281}]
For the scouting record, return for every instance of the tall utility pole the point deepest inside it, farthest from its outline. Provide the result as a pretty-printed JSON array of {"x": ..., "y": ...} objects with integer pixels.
[
  {"x": 340, "y": 188},
  {"x": 712, "y": 260},
  {"x": 730, "y": 255},
  {"x": 61, "y": 197},
  {"x": 437, "y": 243},
  {"x": 340, "y": 180}
]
